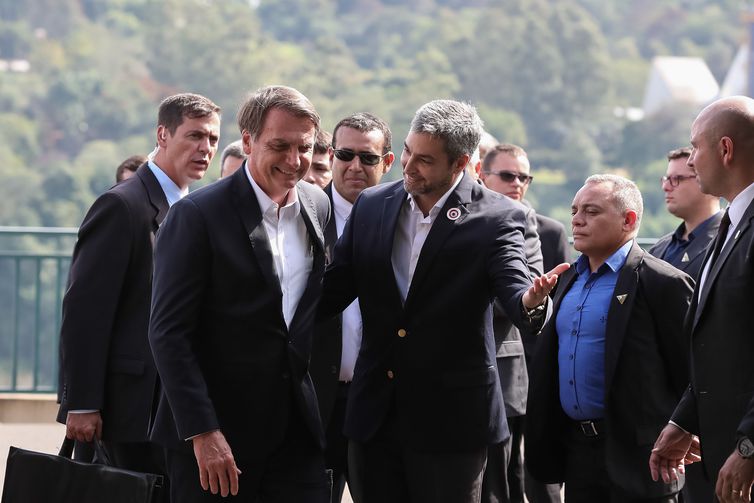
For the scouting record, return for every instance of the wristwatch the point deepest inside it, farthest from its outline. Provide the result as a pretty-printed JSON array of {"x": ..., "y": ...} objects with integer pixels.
[{"x": 745, "y": 448}]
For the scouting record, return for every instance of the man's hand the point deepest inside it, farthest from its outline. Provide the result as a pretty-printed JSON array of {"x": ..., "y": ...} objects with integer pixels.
[
  {"x": 217, "y": 468},
  {"x": 670, "y": 451},
  {"x": 542, "y": 286},
  {"x": 83, "y": 426},
  {"x": 735, "y": 479}
]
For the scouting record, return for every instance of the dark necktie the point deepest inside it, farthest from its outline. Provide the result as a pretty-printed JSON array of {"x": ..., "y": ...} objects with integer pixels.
[{"x": 722, "y": 233}]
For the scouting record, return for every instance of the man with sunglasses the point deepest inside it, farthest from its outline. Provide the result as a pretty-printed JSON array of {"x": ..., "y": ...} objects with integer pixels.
[
  {"x": 505, "y": 169},
  {"x": 359, "y": 159},
  {"x": 684, "y": 248},
  {"x": 425, "y": 256}
]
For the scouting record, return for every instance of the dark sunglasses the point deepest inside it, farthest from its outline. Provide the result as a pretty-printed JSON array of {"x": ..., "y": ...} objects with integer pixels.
[
  {"x": 366, "y": 158},
  {"x": 675, "y": 180},
  {"x": 509, "y": 176}
]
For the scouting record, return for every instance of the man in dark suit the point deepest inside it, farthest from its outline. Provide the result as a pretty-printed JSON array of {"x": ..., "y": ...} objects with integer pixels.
[
  {"x": 425, "y": 257},
  {"x": 605, "y": 373},
  {"x": 717, "y": 406},
  {"x": 684, "y": 248},
  {"x": 506, "y": 170},
  {"x": 108, "y": 378},
  {"x": 238, "y": 271},
  {"x": 362, "y": 155}
]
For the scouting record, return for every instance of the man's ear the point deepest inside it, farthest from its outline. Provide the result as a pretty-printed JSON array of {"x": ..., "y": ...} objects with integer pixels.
[
  {"x": 388, "y": 161},
  {"x": 630, "y": 219},
  {"x": 162, "y": 136},
  {"x": 246, "y": 142},
  {"x": 461, "y": 163}
]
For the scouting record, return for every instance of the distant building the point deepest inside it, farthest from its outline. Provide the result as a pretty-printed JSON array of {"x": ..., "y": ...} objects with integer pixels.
[{"x": 676, "y": 81}]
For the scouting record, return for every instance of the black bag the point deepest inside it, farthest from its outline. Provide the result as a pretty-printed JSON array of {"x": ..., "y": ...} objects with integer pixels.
[{"x": 35, "y": 477}]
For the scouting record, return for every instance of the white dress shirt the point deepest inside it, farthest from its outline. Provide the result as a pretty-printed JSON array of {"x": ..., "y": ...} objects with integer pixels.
[
  {"x": 410, "y": 234},
  {"x": 291, "y": 248},
  {"x": 736, "y": 211},
  {"x": 173, "y": 193},
  {"x": 351, "y": 318}
]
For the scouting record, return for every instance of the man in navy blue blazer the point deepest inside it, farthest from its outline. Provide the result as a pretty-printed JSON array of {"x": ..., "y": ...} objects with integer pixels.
[{"x": 426, "y": 256}]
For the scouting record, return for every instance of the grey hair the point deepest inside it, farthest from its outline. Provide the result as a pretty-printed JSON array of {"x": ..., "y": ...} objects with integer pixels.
[
  {"x": 234, "y": 149},
  {"x": 626, "y": 194},
  {"x": 454, "y": 122}
]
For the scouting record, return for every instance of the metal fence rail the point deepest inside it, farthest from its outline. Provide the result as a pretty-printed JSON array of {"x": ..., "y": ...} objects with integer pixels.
[{"x": 32, "y": 284}]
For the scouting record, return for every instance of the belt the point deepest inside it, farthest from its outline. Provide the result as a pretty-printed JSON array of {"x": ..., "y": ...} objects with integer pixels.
[{"x": 591, "y": 428}]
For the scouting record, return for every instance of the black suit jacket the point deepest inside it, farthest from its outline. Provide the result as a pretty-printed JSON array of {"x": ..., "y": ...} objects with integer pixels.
[
  {"x": 718, "y": 405},
  {"x": 509, "y": 342},
  {"x": 643, "y": 376},
  {"x": 695, "y": 250},
  {"x": 328, "y": 340},
  {"x": 555, "y": 247},
  {"x": 430, "y": 361},
  {"x": 105, "y": 362},
  {"x": 225, "y": 355}
]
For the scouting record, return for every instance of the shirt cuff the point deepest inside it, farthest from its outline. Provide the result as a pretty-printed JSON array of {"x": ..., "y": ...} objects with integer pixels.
[
  {"x": 83, "y": 411},
  {"x": 680, "y": 427}
]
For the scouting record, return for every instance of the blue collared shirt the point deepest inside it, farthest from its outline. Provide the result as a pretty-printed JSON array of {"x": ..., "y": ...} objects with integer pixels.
[
  {"x": 580, "y": 323},
  {"x": 674, "y": 252},
  {"x": 173, "y": 193}
]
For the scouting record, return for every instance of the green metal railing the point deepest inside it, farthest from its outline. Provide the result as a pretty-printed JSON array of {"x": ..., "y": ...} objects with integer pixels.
[{"x": 32, "y": 285}]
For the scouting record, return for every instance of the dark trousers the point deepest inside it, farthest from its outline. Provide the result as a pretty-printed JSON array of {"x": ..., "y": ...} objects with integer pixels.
[
  {"x": 587, "y": 480},
  {"x": 495, "y": 488},
  {"x": 292, "y": 472},
  {"x": 698, "y": 488},
  {"x": 336, "y": 452},
  {"x": 387, "y": 470}
]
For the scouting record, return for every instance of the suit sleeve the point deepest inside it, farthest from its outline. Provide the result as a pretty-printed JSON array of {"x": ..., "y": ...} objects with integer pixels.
[
  {"x": 182, "y": 262},
  {"x": 671, "y": 306},
  {"x": 96, "y": 278},
  {"x": 508, "y": 266}
]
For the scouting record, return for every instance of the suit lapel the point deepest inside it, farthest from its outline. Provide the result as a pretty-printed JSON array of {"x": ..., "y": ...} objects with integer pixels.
[
  {"x": 730, "y": 245},
  {"x": 442, "y": 227},
  {"x": 155, "y": 194},
  {"x": 246, "y": 202},
  {"x": 698, "y": 246},
  {"x": 331, "y": 231},
  {"x": 621, "y": 307},
  {"x": 391, "y": 209}
]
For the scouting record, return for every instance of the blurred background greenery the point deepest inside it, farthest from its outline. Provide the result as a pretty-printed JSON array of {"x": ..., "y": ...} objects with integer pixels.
[{"x": 548, "y": 75}]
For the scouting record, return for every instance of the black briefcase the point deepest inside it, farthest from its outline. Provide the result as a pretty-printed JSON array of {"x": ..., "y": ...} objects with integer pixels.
[{"x": 36, "y": 477}]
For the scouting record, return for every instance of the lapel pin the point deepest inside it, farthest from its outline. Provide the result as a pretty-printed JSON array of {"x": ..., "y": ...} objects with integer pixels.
[
  {"x": 738, "y": 233},
  {"x": 621, "y": 298},
  {"x": 685, "y": 257},
  {"x": 453, "y": 214}
]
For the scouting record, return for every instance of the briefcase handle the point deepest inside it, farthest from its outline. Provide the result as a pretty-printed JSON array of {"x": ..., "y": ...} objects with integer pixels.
[{"x": 100, "y": 452}]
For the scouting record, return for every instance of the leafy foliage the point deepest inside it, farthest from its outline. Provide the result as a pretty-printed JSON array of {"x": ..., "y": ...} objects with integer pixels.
[{"x": 546, "y": 75}]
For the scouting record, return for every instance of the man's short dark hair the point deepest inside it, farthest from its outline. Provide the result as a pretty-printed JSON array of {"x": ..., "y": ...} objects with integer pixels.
[
  {"x": 679, "y": 153},
  {"x": 503, "y": 148},
  {"x": 254, "y": 110},
  {"x": 366, "y": 122},
  {"x": 130, "y": 164},
  {"x": 234, "y": 149},
  {"x": 323, "y": 142},
  {"x": 174, "y": 109}
]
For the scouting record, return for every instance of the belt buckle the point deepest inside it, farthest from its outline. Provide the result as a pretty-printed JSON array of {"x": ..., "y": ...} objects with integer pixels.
[{"x": 588, "y": 429}]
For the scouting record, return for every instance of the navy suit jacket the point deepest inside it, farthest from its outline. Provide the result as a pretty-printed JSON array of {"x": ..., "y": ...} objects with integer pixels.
[
  {"x": 719, "y": 404},
  {"x": 643, "y": 376},
  {"x": 431, "y": 360},
  {"x": 106, "y": 363},
  {"x": 225, "y": 355},
  {"x": 695, "y": 251}
]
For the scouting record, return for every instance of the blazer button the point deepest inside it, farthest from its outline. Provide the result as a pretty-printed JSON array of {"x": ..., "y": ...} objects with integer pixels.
[
  {"x": 401, "y": 333},
  {"x": 333, "y": 369},
  {"x": 390, "y": 374}
]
